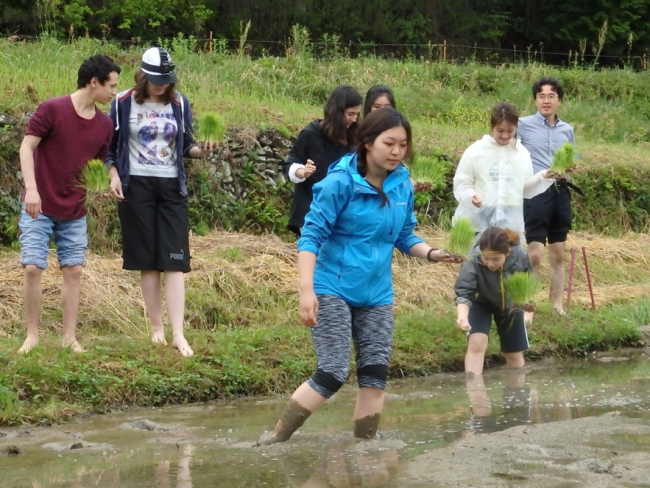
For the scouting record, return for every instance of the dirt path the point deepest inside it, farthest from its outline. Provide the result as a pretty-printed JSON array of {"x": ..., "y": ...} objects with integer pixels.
[{"x": 607, "y": 451}]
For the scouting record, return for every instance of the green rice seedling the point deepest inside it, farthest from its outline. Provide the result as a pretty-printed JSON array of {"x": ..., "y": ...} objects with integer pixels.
[
  {"x": 210, "y": 127},
  {"x": 563, "y": 161},
  {"x": 461, "y": 237},
  {"x": 429, "y": 173},
  {"x": 94, "y": 177},
  {"x": 520, "y": 288}
]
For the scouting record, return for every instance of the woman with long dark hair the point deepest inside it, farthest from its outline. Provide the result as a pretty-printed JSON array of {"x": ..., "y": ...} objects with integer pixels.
[
  {"x": 378, "y": 96},
  {"x": 319, "y": 145},
  {"x": 361, "y": 211}
]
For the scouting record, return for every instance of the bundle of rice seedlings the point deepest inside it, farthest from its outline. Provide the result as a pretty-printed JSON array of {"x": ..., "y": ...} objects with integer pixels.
[
  {"x": 210, "y": 128},
  {"x": 461, "y": 237},
  {"x": 520, "y": 288},
  {"x": 429, "y": 173},
  {"x": 94, "y": 177},
  {"x": 563, "y": 161}
]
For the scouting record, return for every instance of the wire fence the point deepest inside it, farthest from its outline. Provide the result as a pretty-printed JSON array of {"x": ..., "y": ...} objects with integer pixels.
[{"x": 330, "y": 46}]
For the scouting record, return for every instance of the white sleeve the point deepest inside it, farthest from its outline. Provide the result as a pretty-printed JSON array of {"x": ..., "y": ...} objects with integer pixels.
[
  {"x": 534, "y": 184},
  {"x": 464, "y": 181},
  {"x": 537, "y": 184},
  {"x": 292, "y": 173}
]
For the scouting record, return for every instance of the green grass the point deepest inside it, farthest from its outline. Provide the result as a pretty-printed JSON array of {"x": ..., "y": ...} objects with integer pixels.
[
  {"x": 51, "y": 384},
  {"x": 521, "y": 287},
  {"x": 210, "y": 128},
  {"x": 461, "y": 237},
  {"x": 94, "y": 177},
  {"x": 563, "y": 159}
]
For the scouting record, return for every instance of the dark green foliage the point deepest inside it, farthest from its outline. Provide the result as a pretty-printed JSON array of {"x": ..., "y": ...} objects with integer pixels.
[{"x": 534, "y": 29}]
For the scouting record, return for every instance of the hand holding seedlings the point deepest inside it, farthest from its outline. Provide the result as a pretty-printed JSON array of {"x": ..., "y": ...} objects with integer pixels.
[
  {"x": 211, "y": 129},
  {"x": 563, "y": 161},
  {"x": 520, "y": 288},
  {"x": 444, "y": 257},
  {"x": 461, "y": 238}
]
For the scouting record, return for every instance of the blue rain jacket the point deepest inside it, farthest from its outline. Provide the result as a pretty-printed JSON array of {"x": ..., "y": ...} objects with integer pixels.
[{"x": 353, "y": 238}]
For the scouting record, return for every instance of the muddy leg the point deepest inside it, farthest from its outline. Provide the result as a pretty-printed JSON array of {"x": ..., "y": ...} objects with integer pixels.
[
  {"x": 366, "y": 427},
  {"x": 292, "y": 418}
]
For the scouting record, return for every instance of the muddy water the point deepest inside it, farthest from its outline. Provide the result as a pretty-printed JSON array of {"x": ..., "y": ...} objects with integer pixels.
[{"x": 429, "y": 423}]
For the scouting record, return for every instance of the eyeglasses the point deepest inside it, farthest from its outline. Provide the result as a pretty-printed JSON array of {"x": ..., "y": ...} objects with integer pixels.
[{"x": 550, "y": 98}]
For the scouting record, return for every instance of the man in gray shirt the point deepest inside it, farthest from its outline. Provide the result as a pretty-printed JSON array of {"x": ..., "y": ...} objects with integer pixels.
[{"x": 547, "y": 216}]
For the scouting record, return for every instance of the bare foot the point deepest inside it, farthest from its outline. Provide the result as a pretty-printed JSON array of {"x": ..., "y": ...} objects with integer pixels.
[
  {"x": 183, "y": 347},
  {"x": 29, "y": 344},
  {"x": 559, "y": 311},
  {"x": 74, "y": 347},
  {"x": 159, "y": 338}
]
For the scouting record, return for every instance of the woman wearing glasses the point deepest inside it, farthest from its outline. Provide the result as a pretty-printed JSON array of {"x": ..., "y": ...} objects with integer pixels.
[{"x": 153, "y": 133}]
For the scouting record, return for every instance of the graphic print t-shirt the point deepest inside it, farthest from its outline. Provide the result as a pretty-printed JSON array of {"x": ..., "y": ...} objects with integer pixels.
[{"x": 152, "y": 140}]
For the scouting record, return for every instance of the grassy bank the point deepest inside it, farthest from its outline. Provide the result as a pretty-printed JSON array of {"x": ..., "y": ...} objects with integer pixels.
[{"x": 242, "y": 322}]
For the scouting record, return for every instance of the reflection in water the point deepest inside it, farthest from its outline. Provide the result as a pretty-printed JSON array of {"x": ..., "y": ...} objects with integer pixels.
[
  {"x": 183, "y": 475},
  {"x": 515, "y": 408},
  {"x": 212, "y": 445},
  {"x": 339, "y": 467}
]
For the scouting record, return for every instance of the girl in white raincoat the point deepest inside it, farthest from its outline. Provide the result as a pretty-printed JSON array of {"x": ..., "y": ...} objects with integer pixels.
[{"x": 495, "y": 174}]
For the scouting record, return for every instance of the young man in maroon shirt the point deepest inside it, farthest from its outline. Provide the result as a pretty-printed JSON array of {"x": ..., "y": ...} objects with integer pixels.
[{"x": 62, "y": 136}]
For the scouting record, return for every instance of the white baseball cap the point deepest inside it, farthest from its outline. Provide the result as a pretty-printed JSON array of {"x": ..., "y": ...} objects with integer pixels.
[{"x": 158, "y": 66}]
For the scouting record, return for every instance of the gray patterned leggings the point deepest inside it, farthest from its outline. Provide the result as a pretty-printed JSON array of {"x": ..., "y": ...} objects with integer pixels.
[{"x": 339, "y": 324}]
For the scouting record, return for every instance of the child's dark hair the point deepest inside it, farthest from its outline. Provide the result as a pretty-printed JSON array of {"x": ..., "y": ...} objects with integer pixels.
[
  {"x": 370, "y": 128},
  {"x": 374, "y": 93},
  {"x": 555, "y": 85},
  {"x": 97, "y": 66},
  {"x": 333, "y": 124},
  {"x": 498, "y": 240}
]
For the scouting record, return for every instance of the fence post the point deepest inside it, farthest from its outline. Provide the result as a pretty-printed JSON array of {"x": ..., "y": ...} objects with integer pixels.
[{"x": 444, "y": 50}]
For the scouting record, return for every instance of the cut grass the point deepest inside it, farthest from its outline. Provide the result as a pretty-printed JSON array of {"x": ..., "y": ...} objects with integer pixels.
[
  {"x": 461, "y": 237},
  {"x": 563, "y": 161},
  {"x": 94, "y": 177},
  {"x": 521, "y": 287},
  {"x": 210, "y": 128}
]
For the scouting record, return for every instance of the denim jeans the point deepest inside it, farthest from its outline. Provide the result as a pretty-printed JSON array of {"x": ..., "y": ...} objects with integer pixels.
[{"x": 70, "y": 238}]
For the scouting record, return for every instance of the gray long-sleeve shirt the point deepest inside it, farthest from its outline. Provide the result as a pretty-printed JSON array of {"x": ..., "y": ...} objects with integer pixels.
[{"x": 543, "y": 140}]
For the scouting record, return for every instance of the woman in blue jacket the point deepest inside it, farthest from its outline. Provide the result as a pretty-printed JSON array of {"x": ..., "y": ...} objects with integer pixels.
[
  {"x": 153, "y": 133},
  {"x": 360, "y": 212}
]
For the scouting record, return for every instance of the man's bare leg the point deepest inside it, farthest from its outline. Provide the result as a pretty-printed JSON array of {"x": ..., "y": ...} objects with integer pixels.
[{"x": 32, "y": 296}]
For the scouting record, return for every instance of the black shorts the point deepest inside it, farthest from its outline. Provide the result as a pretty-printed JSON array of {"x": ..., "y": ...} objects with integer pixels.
[
  {"x": 548, "y": 216},
  {"x": 510, "y": 326},
  {"x": 154, "y": 221}
]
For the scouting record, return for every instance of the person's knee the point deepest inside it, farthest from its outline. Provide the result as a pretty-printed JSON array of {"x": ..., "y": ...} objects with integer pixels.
[
  {"x": 327, "y": 383},
  {"x": 556, "y": 254},
  {"x": 477, "y": 344},
  {"x": 373, "y": 375},
  {"x": 72, "y": 273},
  {"x": 514, "y": 359},
  {"x": 33, "y": 272}
]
